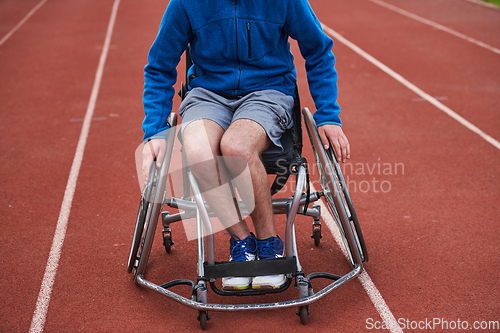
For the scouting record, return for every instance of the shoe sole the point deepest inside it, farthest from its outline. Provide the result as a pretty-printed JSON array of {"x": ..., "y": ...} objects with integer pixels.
[
  {"x": 230, "y": 288},
  {"x": 269, "y": 286}
]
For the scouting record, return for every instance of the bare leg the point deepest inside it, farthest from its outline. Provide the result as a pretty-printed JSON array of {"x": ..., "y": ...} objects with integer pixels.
[
  {"x": 201, "y": 141},
  {"x": 247, "y": 139}
]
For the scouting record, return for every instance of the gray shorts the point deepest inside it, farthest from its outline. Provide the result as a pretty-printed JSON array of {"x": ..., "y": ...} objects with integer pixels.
[{"x": 271, "y": 109}]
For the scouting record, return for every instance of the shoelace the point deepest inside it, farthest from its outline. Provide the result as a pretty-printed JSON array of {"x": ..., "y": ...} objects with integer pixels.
[
  {"x": 238, "y": 252},
  {"x": 266, "y": 251}
]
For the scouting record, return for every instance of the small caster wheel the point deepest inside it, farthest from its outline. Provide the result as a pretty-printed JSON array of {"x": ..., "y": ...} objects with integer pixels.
[
  {"x": 203, "y": 318},
  {"x": 167, "y": 242},
  {"x": 317, "y": 236},
  {"x": 303, "y": 313}
]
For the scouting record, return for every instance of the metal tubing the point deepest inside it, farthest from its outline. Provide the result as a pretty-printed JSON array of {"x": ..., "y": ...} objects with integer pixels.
[
  {"x": 185, "y": 179},
  {"x": 205, "y": 218},
  {"x": 260, "y": 306},
  {"x": 174, "y": 218},
  {"x": 294, "y": 244},
  {"x": 279, "y": 207},
  {"x": 302, "y": 286},
  {"x": 184, "y": 204},
  {"x": 201, "y": 246},
  {"x": 292, "y": 211},
  {"x": 189, "y": 205},
  {"x": 283, "y": 202},
  {"x": 312, "y": 212}
]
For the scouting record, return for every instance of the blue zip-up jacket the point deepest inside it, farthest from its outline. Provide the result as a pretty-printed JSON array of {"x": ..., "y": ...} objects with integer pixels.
[{"x": 239, "y": 46}]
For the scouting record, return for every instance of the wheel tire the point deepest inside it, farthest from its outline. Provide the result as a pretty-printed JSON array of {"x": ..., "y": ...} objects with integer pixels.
[
  {"x": 141, "y": 222},
  {"x": 317, "y": 236},
  {"x": 335, "y": 191},
  {"x": 136, "y": 241},
  {"x": 203, "y": 318},
  {"x": 304, "y": 315},
  {"x": 167, "y": 242}
]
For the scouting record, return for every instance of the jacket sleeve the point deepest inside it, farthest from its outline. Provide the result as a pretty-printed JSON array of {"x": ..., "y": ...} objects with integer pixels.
[
  {"x": 160, "y": 73},
  {"x": 316, "y": 48}
]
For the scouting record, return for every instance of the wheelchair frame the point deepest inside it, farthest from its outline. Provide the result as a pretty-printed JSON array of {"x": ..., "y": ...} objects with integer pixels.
[
  {"x": 338, "y": 202},
  {"x": 192, "y": 205}
]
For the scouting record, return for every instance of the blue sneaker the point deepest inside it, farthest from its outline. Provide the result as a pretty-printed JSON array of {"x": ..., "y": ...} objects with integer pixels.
[
  {"x": 241, "y": 250},
  {"x": 269, "y": 248}
]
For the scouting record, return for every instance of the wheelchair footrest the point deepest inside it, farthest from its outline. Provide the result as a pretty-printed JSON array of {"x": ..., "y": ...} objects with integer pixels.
[
  {"x": 250, "y": 268},
  {"x": 251, "y": 292}
]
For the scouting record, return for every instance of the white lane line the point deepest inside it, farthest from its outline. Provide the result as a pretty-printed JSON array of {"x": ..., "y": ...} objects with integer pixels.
[
  {"x": 11, "y": 32},
  {"x": 367, "y": 283},
  {"x": 435, "y": 25},
  {"x": 411, "y": 86},
  {"x": 43, "y": 300},
  {"x": 439, "y": 98}
]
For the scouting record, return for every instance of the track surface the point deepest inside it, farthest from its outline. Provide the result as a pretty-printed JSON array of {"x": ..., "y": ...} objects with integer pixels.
[{"x": 426, "y": 188}]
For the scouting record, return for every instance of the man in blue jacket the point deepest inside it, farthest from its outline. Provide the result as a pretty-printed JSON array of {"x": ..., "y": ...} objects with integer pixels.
[{"x": 240, "y": 100}]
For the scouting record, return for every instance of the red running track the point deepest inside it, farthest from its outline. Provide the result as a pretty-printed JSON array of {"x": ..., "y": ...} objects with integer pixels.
[{"x": 426, "y": 188}]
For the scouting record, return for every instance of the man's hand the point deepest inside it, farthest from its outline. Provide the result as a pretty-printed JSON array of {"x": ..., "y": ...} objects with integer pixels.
[
  {"x": 153, "y": 149},
  {"x": 337, "y": 138}
]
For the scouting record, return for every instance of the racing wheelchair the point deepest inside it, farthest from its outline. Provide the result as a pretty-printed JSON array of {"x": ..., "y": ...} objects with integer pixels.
[{"x": 290, "y": 162}]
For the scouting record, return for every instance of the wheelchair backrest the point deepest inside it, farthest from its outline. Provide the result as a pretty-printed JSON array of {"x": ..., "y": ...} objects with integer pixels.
[{"x": 281, "y": 163}]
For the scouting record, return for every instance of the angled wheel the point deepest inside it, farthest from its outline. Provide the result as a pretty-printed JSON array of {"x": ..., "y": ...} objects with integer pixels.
[
  {"x": 338, "y": 200},
  {"x": 141, "y": 225},
  {"x": 347, "y": 202},
  {"x": 152, "y": 213},
  {"x": 149, "y": 208}
]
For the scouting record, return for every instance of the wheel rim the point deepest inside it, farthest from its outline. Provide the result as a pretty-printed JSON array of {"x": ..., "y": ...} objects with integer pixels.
[
  {"x": 334, "y": 189},
  {"x": 328, "y": 192},
  {"x": 141, "y": 225},
  {"x": 151, "y": 203}
]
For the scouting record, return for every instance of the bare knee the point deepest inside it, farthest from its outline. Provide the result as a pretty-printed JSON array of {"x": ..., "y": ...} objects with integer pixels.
[
  {"x": 246, "y": 139},
  {"x": 238, "y": 156},
  {"x": 201, "y": 141},
  {"x": 237, "y": 148},
  {"x": 197, "y": 153}
]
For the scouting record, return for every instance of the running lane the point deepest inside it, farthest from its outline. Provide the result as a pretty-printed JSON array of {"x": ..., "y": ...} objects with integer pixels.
[
  {"x": 434, "y": 231},
  {"x": 92, "y": 285},
  {"x": 462, "y": 75},
  {"x": 424, "y": 187},
  {"x": 46, "y": 71},
  {"x": 12, "y": 12}
]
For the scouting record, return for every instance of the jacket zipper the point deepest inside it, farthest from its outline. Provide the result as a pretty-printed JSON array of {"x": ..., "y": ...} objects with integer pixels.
[{"x": 249, "y": 41}]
